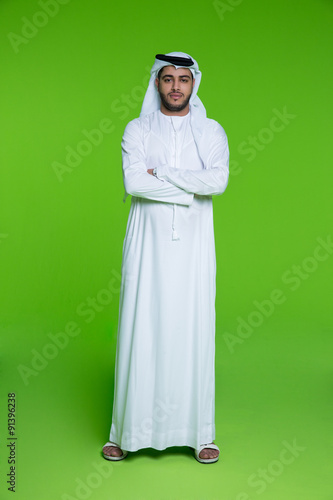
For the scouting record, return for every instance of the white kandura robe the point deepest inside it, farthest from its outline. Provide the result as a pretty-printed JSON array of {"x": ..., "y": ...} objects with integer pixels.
[{"x": 165, "y": 360}]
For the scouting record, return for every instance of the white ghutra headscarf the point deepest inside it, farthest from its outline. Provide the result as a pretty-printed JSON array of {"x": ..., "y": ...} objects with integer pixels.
[{"x": 152, "y": 100}]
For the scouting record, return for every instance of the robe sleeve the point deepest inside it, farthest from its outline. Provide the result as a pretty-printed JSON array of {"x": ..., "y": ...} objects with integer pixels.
[
  {"x": 137, "y": 181},
  {"x": 213, "y": 178}
]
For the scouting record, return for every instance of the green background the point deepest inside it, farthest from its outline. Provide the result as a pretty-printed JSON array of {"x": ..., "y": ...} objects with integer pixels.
[{"x": 61, "y": 241}]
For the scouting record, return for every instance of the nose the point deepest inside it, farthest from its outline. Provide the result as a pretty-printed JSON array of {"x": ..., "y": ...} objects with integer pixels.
[{"x": 175, "y": 86}]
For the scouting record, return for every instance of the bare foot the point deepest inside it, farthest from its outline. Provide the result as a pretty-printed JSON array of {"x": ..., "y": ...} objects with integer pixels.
[
  {"x": 209, "y": 453},
  {"x": 112, "y": 451}
]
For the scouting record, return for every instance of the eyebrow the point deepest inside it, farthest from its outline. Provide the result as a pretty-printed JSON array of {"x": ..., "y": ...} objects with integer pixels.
[{"x": 172, "y": 76}]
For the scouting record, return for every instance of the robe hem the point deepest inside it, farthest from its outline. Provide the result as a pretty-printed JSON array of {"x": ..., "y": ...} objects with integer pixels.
[{"x": 162, "y": 443}]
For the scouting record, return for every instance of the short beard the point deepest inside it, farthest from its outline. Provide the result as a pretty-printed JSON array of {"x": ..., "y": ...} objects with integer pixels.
[{"x": 174, "y": 107}]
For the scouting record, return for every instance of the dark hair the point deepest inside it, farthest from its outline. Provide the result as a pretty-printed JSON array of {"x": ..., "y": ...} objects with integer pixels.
[{"x": 160, "y": 72}]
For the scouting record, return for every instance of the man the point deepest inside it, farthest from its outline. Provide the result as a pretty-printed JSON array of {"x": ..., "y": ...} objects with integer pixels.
[{"x": 174, "y": 160}]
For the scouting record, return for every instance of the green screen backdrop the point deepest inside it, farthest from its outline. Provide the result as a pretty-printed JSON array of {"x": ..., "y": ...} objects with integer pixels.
[{"x": 73, "y": 73}]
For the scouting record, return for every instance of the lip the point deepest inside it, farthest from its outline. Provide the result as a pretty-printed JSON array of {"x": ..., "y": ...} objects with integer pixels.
[{"x": 176, "y": 96}]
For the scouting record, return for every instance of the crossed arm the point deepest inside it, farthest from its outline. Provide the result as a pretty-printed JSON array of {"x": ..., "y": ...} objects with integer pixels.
[{"x": 170, "y": 184}]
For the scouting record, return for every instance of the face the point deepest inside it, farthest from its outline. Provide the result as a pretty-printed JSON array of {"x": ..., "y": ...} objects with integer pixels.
[{"x": 175, "y": 88}]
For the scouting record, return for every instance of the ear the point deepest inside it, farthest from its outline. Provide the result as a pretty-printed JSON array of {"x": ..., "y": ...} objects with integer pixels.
[
  {"x": 157, "y": 82},
  {"x": 193, "y": 82}
]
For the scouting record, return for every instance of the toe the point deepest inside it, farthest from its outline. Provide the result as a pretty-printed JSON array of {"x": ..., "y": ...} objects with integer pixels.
[
  {"x": 112, "y": 451},
  {"x": 208, "y": 453}
]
